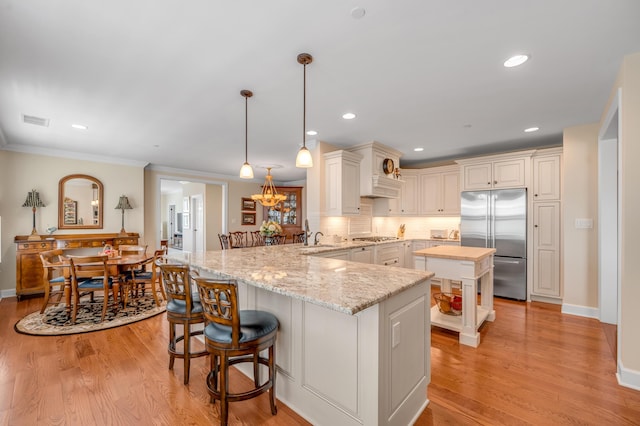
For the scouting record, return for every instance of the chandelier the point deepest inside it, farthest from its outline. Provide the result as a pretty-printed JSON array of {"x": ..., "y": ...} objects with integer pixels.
[{"x": 269, "y": 196}]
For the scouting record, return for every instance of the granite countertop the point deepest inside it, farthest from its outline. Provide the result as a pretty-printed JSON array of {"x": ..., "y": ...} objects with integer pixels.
[
  {"x": 292, "y": 270},
  {"x": 473, "y": 254}
]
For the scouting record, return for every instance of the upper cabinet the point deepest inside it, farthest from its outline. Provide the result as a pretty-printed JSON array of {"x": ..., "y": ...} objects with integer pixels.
[
  {"x": 494, "y": 172},
  {"x": 546, "y": 176},
  {"x": 342, "y": 183},
  {"x": 377, "y": 170},
  {"x": 440, "y": 191}
]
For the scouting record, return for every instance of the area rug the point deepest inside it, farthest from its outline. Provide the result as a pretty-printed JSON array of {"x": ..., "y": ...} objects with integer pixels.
[{"x": 55, "y": 322}]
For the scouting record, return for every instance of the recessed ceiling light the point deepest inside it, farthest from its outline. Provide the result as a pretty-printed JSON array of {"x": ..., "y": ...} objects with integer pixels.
[
  {"x": 349, "y": 116},
  {"x": 79, "y": 126},
  {"x": 418, "y": 149},
  {"x": 311, "y": 132},
  {"x": 532, "y": 129},
  {"x": 466, "y": 126},
  {"x": 516, "y": 60}
]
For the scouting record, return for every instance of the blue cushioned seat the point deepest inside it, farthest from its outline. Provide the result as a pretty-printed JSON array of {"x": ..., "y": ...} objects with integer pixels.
[{"x": 253, "y": 325}]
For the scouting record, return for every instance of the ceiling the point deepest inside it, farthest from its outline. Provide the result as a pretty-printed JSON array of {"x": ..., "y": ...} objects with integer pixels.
[{"x": 159, "y": 82}]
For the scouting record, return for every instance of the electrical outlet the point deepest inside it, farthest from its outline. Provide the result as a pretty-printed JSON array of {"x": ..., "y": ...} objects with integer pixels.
[{"x": 584, "y": 223}]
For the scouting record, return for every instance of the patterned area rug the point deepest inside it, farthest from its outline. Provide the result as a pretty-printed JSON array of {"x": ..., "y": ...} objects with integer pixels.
[{"x": 55, "y": 322}]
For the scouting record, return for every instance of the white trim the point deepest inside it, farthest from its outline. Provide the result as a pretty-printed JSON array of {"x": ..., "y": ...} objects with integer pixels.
[
  {"x": 7, "y": 293},
  {"x": 581, "y": 311},
  {"x": 627, "y": 377},
  {"x": 74, "y": 155}
]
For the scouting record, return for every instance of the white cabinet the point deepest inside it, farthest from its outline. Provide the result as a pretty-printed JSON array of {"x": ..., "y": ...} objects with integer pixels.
[
  {"x": 362, "y": 254},
  {"x": 438, "y": 280},
  {"x": 336, "y": 254},
  {"x": 342, "y": 178},
  {"x": 409, "y": 193},
  {"x": 546, "y": 177},
  {"x": 496, "y": 171},
  {"x": 546, "y": 249},
  {"x": 374, "y": 181},
  {"x": 391, "y": 254},
  {"x": 440, "y": 191}
]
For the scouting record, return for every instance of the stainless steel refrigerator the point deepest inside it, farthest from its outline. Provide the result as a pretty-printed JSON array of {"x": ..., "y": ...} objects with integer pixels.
[{"x": 498, "y": 219}]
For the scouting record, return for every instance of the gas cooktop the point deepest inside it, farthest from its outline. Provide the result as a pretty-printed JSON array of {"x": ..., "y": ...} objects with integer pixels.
[{"x": 374, "y": 239}]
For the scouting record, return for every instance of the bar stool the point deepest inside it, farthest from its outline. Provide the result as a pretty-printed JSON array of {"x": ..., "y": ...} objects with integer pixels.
[
  {"x": 183, "y": 308},
  {"x": 230, "y": 332}
]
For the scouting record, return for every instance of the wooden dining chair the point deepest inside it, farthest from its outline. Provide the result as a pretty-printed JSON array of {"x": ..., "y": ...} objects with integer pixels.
[
  {"x": 233, "y": 336},
  {"x": 224, "y": 241},
  {"x": 183, "y": 308},
  {"x": 298, "y": 237},
  {"x": 132, "y": 249},
  {"x": 237, "y": 239},
  {"x": 256, "y": 239},
  {"x": 53, "y": 277},
  {"x": 147, "y": 276},
  {"x": 278, "y": 239},
  {"x": 90, "y": 274}
]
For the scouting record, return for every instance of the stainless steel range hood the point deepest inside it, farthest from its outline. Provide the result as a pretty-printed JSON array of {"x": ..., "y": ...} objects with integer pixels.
[{"x": 374, "y": 182}]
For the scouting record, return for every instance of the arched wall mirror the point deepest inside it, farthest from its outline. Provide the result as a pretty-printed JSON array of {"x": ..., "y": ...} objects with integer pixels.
[{"x": 80, "y": 202}]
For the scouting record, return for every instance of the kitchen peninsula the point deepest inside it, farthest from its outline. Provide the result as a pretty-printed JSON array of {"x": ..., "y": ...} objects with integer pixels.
[{"x": 354, "y": 339}]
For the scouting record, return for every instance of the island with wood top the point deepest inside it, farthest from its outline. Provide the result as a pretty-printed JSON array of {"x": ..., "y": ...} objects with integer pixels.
[
  {"x": 354, "y": 339},
  {"x": 465, "y": 264}
]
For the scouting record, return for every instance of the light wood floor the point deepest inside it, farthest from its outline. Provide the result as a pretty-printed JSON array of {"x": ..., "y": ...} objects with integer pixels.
[{"x": 534, "y": 366}]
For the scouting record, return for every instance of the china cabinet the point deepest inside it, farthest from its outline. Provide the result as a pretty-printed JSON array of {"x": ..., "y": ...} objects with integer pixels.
[{"x": 287, "y": 213}]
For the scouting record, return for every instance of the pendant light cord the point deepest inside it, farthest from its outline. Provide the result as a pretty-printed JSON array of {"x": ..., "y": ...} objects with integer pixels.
[
  {"x": 246, "y": 129},
  {"x": 304, "y": 105}
]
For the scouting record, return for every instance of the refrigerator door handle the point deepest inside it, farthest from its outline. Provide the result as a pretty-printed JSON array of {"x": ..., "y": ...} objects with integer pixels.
[{"x": 511, "y": 262}]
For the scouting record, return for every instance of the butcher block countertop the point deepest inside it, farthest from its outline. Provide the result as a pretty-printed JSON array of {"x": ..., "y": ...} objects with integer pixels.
[{"x": 473, "y": 254}]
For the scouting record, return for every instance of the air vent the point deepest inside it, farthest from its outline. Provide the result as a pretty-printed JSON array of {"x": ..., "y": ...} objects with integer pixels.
[{"x": 38, "y": 121}]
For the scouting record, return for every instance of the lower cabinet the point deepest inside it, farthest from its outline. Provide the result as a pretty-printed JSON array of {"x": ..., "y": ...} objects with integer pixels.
[
  {"x": 390, "y": 254},
  {"x": 546, "y": 249},
  {"x": 362, "y": 254}
]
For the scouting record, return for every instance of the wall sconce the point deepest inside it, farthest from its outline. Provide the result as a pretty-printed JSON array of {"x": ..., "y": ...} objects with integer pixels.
[
  {"x": 123, "y": 204},
  {"x": 33, "y": 200}
]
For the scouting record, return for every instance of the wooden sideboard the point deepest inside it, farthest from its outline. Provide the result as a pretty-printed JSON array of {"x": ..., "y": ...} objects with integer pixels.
[{"x": 29, "y": 267}]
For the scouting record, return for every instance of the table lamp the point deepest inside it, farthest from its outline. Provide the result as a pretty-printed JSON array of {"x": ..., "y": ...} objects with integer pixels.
[
  {"x": 123, "y": 204},
  {"x": 33, "y": 200}
]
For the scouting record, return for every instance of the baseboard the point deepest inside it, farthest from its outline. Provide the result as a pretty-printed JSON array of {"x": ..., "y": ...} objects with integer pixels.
[
  {"x": 628, "y": 378},
  {"x": 581, "y": 311},
  {"x": 7, "y": 293},
  {"x": 545, "y": 299}
]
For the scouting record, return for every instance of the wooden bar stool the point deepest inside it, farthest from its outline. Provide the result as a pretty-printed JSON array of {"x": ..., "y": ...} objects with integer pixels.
[
  {"x": 240, "y": 335},
  {"x": 183, "y": 307}
]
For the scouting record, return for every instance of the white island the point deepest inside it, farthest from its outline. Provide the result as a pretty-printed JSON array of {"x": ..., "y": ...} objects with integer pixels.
[{"x": 354, "y": 339}]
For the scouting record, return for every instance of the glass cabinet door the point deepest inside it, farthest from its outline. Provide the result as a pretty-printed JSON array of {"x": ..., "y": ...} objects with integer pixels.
[{"x": 289, "y": 212}]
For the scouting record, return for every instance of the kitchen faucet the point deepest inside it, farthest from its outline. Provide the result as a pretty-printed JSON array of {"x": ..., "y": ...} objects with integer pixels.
[{"x": 315, "y": 239}]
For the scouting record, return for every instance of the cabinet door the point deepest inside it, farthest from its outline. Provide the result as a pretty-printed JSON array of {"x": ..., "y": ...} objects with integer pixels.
[
  {"x": 409, "y": 195},
  {"x": 350, "y": 187},
  {"x": 477, "y": 176},
  {"x": 342, "y": 186},
  {"x": 430, "y": 194},
  {"x": 362, "y": 255},
  {"x": 451, "y": 193},
  {"x": 289, "y": 212},
  {"x": 546, "y": 249},
  {"x": 546, "y": 178},
  {"x": 508, "y": 173}
]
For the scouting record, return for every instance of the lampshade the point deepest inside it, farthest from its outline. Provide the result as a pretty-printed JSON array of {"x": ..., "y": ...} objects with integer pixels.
[
  {"x": 246, "y": 172},
  {"x": 123, "y": 203},
  {"x": 33, "y": 200},
  {"x": 269, "y": 196},
  {"x": 304, "y": 159}
]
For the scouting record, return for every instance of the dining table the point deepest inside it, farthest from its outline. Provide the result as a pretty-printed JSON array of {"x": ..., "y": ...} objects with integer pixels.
[{"x": 118, "y": 265}]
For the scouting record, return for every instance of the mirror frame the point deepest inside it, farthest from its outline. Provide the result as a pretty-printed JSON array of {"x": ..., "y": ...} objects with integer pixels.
[{"x": 61, "y": 196}]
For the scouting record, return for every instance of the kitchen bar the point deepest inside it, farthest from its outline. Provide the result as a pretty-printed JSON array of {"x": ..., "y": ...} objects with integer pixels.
[{"x": 354, "y": 339}]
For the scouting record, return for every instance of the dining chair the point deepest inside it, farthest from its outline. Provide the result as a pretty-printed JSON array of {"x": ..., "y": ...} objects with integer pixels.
[
  {"x": 224, "y": 241},
  {"x": 132, "y": 249},
  {"x": 53, "y": 277},
  {"x": 256, "y": 239},
  {"x": 278, "y": 239},
  {"x": 235, "y": 336},
  {"x": 298, "y": 237},
  {"x": 184, "y": 308},
  {"x": 147, "y": 276},
  {"x": 237, "y": 239},
  {"x": 90, "y": 274}
]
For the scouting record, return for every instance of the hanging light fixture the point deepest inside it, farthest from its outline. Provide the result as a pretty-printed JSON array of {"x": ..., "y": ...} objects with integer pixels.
[
  {"x": 246, "y": 172},
  {"x": 269, "y": 196},
  {"x": 304, "y": 159}
]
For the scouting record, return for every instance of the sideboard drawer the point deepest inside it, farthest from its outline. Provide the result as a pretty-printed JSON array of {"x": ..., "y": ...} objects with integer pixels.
[{"x": 35, "y": 245}]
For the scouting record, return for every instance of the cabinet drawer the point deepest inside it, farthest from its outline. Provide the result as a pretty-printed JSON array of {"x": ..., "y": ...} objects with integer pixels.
[
  {"x": 94, "y": 243},
  {"x": 35, "y": 245},
  {"x": 127, "y": 241},
  {"x": 69, "y": 244}
]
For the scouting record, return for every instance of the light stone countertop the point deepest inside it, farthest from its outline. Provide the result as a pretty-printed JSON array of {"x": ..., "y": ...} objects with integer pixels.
[{"x": 292, "y": 271}]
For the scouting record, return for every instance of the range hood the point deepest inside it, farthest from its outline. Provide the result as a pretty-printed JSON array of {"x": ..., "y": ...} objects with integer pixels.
[{"x": 375, "y": 182}]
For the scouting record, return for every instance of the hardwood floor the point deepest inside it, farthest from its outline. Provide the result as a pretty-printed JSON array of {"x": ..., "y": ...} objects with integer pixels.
[{"x": 533, "y": 366}]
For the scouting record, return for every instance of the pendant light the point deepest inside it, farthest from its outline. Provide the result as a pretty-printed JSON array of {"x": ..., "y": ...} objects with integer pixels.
[
  {"x": 269, "y": 196},
  {"x": 304, "y": 158},
  {"x": 246, "y": 172}
]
